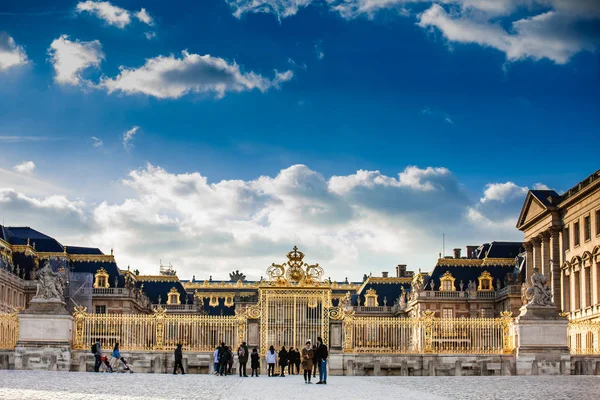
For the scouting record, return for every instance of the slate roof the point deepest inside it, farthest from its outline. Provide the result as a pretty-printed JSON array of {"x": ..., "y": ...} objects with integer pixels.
[
  {"x": 388, "y": 291},
  {"x": 43, "y": 243},
  {"x": 153, "y": 289},
  {"x": 468, "y": 272},
  {"x": 83, "y": 250},
  {"x": 92, "y": 267},
  {"x": 499, "y": 250},
  {"x": 544, "y": 196}
]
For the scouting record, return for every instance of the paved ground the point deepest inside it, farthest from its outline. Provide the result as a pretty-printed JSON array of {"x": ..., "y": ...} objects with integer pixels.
[{"x": 33, "y": 385}]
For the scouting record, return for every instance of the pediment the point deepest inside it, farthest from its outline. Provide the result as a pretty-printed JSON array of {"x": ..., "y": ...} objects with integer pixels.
[{"x": 531, "y": 209}]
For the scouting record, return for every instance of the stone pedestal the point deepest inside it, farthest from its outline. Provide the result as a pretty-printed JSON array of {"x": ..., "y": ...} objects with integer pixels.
[
  {"x": 45, "y": 332},
  {"x": 541, "y": 342}
]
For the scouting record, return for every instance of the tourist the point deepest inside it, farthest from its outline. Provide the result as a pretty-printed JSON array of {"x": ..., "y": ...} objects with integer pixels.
[
  {"x": 254, "y": 362},
  {"x": 106, "y": 364},
  {"x": 116, "y": 354},
  {"x": 291, "y": 360},
  {"x": 243, "y": 359},
  {"x": 297, "y": 360},
  {"x": 216, "y": 360},
  {"x": 229, "y": 360},
  {"x": 307, "y": 361},
  {"x": 97, "y": 351},
  {"x": 271, "y": 360},
  {"x": 223, "y": 359},
  {"x": 178, "y": 360},
  {"x": 314, "y": 360},
  {"x": 283, "y": 359},
  {"x": 322, "y": 355}
]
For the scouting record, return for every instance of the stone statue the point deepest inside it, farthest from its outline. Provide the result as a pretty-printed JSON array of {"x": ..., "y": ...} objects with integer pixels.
[
  {"x": 402, "y": 302},
  {"x": 346, "y": 302},
  {"x": 49, "y": 284},
  {"x": 236, "y": 276},
  {"x": 498, "y": 284},
  {"x": 538, "y": 293},
  {"x": 471, "y": 286},
  {"x": 461, "y": 285},
  {"x": 432, "y": 285}
]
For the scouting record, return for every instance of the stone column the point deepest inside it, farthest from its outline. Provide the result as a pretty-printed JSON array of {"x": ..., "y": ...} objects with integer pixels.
[
  {"x": 556, "y": 264},
  {"x": 573, "y": 283},
  {"x": 537, "y": 253},
  {"x": 528, "y": 260},
  {"x": 546, "y": 255}
]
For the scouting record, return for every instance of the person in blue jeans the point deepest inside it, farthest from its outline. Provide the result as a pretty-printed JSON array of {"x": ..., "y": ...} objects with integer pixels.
[{"x": 322, "y": 355}]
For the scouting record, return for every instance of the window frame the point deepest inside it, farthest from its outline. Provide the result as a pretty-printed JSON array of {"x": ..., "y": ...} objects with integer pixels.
[{"x": 576, "y": 234}]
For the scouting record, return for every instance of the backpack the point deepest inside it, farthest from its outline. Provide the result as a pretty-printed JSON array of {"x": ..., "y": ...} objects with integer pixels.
[{"x": 94, "y": 348}]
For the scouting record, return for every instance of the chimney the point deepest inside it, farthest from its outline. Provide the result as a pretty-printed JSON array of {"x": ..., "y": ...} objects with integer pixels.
[
  {"x": 384, "y": 274},
  {"x": 456, "y": 253},
  {"x": 401, "y": 270},
  {"x": 471, "y": 251}
]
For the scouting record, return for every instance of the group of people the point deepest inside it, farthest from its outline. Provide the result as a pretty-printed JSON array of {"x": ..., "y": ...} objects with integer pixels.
[
  {"x": 109, "y": 365},
  {"x": 311, "y": 358}
]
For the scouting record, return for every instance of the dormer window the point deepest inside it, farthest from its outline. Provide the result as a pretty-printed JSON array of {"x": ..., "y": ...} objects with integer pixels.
[
  {"x": 485, "y": 282},
  {"x": 101, "y": 279},
  {"x": 371, "y": 298},
  {"x": 447, "y": 282},
  {"x": 214, "y": 301},
  {"x": 173, "y": 297},
  {"x": 228, "y": 301}
]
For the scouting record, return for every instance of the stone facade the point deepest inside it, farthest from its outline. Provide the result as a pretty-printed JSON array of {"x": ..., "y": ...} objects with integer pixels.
[{"x": 562, "y": 240}]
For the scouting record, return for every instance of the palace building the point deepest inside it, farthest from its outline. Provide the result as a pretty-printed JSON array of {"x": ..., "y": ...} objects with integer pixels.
[{"x": 562, "y": 240}]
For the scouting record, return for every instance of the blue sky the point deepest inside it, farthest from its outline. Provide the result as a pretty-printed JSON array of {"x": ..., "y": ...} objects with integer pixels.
[{"x": 484, "y": 93}]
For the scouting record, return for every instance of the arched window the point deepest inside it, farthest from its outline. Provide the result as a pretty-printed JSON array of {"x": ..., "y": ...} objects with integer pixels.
[
  {"x": 485, "y": 281},
  {"x": 371, "y": 298},
  {"x": 447, "y": 282},
  {"x": 101, "y": 279},
  {"x": 173, "y": 297}
]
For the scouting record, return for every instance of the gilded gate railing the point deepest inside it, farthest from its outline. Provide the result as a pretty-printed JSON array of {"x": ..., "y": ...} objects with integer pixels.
[
  {"x": 157, "y": 331},
  {"x": 428, "y": 334},
  {"x": 9, "y": 330},
  {"x": 584, "y": 337}
]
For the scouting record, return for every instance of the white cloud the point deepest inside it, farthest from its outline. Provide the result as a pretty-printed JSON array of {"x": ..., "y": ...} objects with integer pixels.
[
  {"x": 106, "y": 11},
  {"x": 150, "y": 35},
  {"x": 144, "y": 17},
  {"x": 537, "y": 29},
  {"x": 319, "y": 51},
  {"x": 351, "y": 224},
  {"x": 128, "y": 137},
  {"x": 26, "y": 167},
  {"x": 97, "y": 142},
  {"x": 171, "y": 77},
  {"x": 11, "y": 55},
  {"x": 71, "y": 58}
]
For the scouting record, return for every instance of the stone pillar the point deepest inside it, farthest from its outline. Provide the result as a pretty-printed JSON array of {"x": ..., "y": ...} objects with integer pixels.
[
  {"x": 556, "y": 267},
  {"x": 528, "y": 260},
  {"x": 546, "y": 255},
  {"x": 537, "y": 253},
  {"x": 572, "y": 283}
]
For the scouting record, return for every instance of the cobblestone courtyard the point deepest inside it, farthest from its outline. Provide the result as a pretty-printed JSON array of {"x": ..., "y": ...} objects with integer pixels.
[{"x": 73, "y": 385}]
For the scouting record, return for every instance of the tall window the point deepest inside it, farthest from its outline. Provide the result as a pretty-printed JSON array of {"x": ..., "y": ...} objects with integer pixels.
[
  {"x": 100, "y": 309},
  {"x": 486, "y": 313},
  {"x": 566, "y": 239},
  {"x": 588, "y": 287},
  {"x": 576, "y": 233},
  {"x": 447, "y": 313},
  {"x": 447, "y": 285},
  {"x": 597, "y": 222},
  {"x": 587, "y": 228}
]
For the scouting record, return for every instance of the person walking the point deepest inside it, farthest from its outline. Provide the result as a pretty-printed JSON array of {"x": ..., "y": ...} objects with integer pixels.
[
  {"x": 254, "y": 362},
  {"x": 229, "y": 360},
  {"x": 178, "y": 359},
  {"x": 291, "y": 359},
  {"x": 297, "y": 361},
  {"x": 307, "y": 361},
  {"x": 271, "y": 360},
  {"x": 322, "y": 355},
  {"x": 223, "y": 359},
  {"x": 283, "y": 359},
  {"x": 243, "y": 359},
  {"x": 314, "y": 347},
  {"x": 116, "y": 355},
  {"x": 97, "y": 350},
  {"x": 216, "y": 360}
]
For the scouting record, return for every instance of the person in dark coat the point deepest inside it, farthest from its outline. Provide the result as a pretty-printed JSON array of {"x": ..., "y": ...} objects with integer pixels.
[
  {"x": 322, "y": 355},
  {"x": 178, "y": 360},
  {"x": 254, "y": 362},
  {"x": 243, "y": 358},
  {"x": 307, "y": 361},
  {"x": 291, "y": 359},
  {"x": 229, "y": 360},
  {"x": 283, "y": 359},
  {"x": 97, "y": 350},
  {"x": 297, "y": 360},
  {"x": 223, "y": 359},
  {"x": 314, "y": 348}
]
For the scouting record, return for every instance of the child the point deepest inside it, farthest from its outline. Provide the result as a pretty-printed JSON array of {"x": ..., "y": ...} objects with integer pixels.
[
  {"x": 107, "y": 367},
  {"x": 254, "y": 362}
]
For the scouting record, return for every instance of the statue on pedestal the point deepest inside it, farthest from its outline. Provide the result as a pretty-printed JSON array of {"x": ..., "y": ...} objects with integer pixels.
[
  {"x": 538, "y": 293},
  {"x": 49, "y": 285}
]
